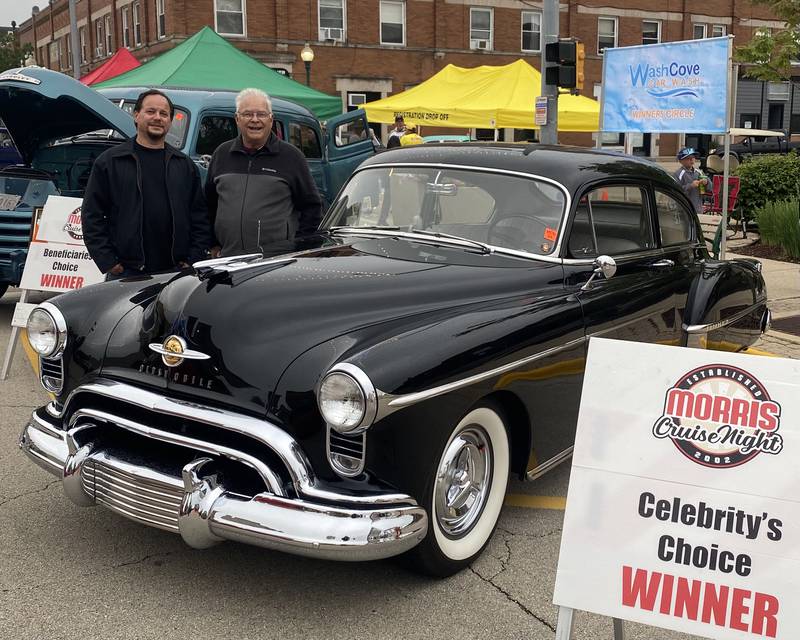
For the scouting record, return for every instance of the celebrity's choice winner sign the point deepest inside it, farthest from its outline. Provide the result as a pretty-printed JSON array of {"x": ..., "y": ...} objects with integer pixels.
[
  {"x": 674, "y": 87},
  {"x": 57, "y": 258},
  {"x": 683, "y": 509}
]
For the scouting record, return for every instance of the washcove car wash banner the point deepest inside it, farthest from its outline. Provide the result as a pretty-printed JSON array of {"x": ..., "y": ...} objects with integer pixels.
[
  {"x": 673, "y": 87},
  {"x": 57, "y": 257},
  {"x": 683, "y": 509}
]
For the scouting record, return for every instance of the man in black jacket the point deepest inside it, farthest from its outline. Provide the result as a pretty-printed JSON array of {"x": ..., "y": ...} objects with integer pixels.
[
  {"x": 143, "y": 210},
  {"x": 260, "y": 192}
]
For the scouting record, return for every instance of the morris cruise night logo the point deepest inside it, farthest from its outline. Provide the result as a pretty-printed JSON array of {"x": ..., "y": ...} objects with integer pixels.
[
  {"x": 720, "y": 416},
  {"x": 74, "y": 227}
]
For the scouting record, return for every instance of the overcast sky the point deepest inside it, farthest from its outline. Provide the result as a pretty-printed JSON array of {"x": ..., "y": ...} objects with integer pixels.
[{"x": 18, "y": 10}]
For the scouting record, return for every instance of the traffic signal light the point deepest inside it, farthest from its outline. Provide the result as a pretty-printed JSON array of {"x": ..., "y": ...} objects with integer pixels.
[{"x": 568, "y": 56}]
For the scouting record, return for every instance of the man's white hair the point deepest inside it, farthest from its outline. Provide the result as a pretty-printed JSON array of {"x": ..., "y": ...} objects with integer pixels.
[{"x": 252, "y": 93}]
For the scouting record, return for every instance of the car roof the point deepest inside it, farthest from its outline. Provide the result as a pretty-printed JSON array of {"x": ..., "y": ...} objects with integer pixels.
[
  {"x": 198, "y": 98},
  {"x": 570, "y": 166}
]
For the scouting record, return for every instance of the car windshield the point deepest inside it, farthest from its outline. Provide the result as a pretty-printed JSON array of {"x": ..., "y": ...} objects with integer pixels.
[{"x": 501, "y": 210}]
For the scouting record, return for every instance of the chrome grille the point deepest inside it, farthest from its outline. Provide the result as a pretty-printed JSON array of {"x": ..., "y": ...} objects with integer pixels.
[
  {"x": 15, "y": 231},
  {"x": 346, "y": 453},
  {"x": 51, "y": 373},
  {"x": 154, "y": 501}
]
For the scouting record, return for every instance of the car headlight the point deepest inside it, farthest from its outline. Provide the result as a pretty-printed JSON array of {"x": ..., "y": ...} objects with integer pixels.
[
  {"x": 47, "y": 330},
  {"x": 347, "y": 399}
]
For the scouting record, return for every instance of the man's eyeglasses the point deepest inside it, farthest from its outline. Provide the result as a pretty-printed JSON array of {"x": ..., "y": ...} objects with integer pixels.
[{"x": 254, "y": 115}]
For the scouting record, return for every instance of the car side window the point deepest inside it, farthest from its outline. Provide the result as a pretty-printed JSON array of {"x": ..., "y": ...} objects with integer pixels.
[
  {"x": 214, "y": 130},
  {"x": 674, "y": 221},
  {"x": 305, "y": 138},
  {"x": 612, "y": 220}
]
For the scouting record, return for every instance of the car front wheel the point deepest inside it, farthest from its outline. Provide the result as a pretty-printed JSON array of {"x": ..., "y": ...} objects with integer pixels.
[{"x": 465, "y": 493}]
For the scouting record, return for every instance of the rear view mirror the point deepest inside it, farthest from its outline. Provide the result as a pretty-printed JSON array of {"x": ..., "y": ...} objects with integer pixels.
[{"x": 441, "y": 189}]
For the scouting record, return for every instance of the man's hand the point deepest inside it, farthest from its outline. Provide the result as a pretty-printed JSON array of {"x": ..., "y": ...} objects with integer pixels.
[
  {"x": 695, "y": 183},
  {"x": 116, "y": 269},
  {"x": 215, "y": 252}
]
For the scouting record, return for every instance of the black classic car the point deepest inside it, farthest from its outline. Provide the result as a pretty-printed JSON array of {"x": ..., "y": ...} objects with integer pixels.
[{"x": 369, "y": 394}]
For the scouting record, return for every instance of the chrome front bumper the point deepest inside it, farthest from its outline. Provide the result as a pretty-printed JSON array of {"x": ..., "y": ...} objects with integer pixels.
[{"x": 197, "y": 507}]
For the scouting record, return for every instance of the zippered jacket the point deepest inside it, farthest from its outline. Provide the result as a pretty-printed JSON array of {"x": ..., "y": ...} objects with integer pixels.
[
  {"x": 112, "y": 209},
  {"x": 259, "y": 199}
]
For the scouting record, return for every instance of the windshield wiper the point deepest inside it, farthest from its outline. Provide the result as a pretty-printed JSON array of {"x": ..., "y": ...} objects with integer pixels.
[
  {"x": 485, "y": 248},
  {"x": 410, "y": 232}
]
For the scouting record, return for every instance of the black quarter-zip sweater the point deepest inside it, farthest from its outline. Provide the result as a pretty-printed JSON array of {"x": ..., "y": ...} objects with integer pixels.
[{"x": 262, "y": 198}]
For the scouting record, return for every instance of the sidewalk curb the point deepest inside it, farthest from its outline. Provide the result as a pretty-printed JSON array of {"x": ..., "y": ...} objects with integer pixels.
[{"x": 780, "y": 335}]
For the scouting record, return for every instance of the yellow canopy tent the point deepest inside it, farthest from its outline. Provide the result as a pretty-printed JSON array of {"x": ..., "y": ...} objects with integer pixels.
[{"x": 484, "y": 97}]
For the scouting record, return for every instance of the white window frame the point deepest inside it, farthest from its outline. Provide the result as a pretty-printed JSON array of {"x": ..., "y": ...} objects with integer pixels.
[
  {"x": 721, "y": 28},
  {"x": 778, "y": 91},
  {"x": 161, "y": 19},
  {"x": 658, "y": 31},
  {"x": 136, "y": 19},
  {"x": 82, "y": 39},
  {"x": 323, "y": 36},
  {"x": 100, "y": 38},
  {"x": 614, "y": 20},
  {"x": 67, "y": 63},
  {"x": 243, "y": 34},
  {"x": 474, "y": 42},
  {"x": 353, "y": 94},
  {"x": 125, "y": 22},
  {"x": 702, "y": 27},
  {"x": 109, "y": 34},
  {"x": 522, "y": 31},
  {"x": 402, "y": 5}
]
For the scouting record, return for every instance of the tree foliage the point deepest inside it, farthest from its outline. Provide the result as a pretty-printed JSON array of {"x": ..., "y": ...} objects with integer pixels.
[
  {"x": 768, "y": 55},
  {"x": 12, "y": 54}
]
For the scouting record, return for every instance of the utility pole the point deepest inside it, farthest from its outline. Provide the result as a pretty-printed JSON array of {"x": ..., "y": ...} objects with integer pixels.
[
  {"x": 550, "y": 27},
  {"x": 74, "y": 41}
]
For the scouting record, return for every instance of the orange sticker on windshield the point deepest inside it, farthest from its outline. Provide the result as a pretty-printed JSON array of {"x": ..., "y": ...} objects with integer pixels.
[
  {"x": 179, "y": 116},
  {"x": 550, "y": 234}
]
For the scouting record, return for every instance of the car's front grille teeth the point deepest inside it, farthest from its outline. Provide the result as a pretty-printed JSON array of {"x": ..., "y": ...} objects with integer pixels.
[
  {"x": 15, "y": 230},
  {"x": 346, "y": 453},
  {"x": 155, "y": 502},
  {"x": 51, "y": 372}
]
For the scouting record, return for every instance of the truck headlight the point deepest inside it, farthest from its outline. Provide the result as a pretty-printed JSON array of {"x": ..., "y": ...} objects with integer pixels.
[
  {"x": 347, "y": 399},
  {"x": 47, "y": 330}
]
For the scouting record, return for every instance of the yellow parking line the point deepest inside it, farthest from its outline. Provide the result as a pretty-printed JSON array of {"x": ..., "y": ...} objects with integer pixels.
[
  {"x": 557, "y": 503},
  {"x": 32, "y": 356},
  {"x": 759, "y": 352}
]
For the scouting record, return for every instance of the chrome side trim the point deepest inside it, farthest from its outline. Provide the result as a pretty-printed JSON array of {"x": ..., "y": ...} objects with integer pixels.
[
  {"x": 549, "y": 465},
  {"x": 713, "y": 326},
  {"x": 388, "y": 403}
]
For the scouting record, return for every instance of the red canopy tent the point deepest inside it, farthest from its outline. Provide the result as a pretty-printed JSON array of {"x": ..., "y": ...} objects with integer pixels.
[{"x": 120, "y": 62}]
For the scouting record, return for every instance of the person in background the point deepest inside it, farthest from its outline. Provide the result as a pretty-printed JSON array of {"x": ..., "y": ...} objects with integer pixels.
[
  {"x": 396, "y": 133},
  {"x": 410, "y": 137},
  {"x": 143, "y": 210},
  {"x": 259, "y": 189},
  {"x": 690, "y": 179}
]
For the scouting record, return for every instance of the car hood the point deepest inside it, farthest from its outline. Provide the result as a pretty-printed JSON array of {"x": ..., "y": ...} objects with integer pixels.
[
  {"x": 38, "y": 106},
  {"x": 252, "y": 324}
]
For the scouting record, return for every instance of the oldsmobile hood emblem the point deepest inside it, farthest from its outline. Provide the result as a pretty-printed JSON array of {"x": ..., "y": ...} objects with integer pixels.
[{"x": 173, "y": 351}]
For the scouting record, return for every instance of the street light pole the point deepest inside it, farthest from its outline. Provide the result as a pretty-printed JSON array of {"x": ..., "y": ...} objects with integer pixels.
[
  {"x": 548, "y": 133},
  {"x": 307, "y": 55},
  {"x": 74, "y": 41}
]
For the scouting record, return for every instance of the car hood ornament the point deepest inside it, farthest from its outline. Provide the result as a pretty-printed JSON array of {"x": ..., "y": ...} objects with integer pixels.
[{"x": 173, "y": 351}]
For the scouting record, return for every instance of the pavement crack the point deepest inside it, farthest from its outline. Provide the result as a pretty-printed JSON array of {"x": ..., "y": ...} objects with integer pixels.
[
  {"x": 142, "y": 560},
  {"x": 511, "y": 598},
  {"x": 29, "y": 493}
]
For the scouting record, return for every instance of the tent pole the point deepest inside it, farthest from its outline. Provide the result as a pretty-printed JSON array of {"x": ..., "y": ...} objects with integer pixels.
[{"x": 727, "y": 160}]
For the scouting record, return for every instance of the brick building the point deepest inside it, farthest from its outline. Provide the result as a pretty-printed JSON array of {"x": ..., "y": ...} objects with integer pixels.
[{"x": 367, "y": 49}]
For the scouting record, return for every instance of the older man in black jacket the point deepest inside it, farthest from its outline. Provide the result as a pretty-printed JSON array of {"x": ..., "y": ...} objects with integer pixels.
[{"x": 143, "y": 210}]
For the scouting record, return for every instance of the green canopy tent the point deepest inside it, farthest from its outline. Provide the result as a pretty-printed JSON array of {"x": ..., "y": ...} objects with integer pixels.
[{"x": 208, "y": 61}]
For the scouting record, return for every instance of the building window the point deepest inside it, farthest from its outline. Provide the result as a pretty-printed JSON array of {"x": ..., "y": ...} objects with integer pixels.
[
  {"x": 699, "y": 31},
  {"x": 531, "y": 31},
  {"x": 229, "y": 16},
  {"x": 67, "y": 58},
  {"x": 84, "y": 49},
  {"x": 480, "y": 29},
  {"x": 99, "y": 38},
  {"x": 393, "y": 22},
  {"x": 109, "y": 36},
  {"x": 778, "y": 91},
  {"x": 606, "y": 33},
  {"x": 126, "y": 29},
  {"x": 651, "y": 31},
  {"x": 331, "y": 20},
  {"x": 137, "y": 23},
  {"x": 718, "y": 30},
  {"x": 161, "y": 19},
  {"x": 55, "y": 63}
]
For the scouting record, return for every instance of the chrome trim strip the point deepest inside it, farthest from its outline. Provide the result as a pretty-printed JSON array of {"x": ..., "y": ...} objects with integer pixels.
[
  {"x": 548, "y": 465},
  {"x": 188, "y": 354},
  {"x": 216, "y": 263},
  {"x": 388, "y": 403},
  {"x": 238, "y": 263},
  {"x": 712, "y": 326}
]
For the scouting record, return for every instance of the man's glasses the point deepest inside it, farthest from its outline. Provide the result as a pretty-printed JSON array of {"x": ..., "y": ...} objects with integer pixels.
[{"x": 254, "y": 115}]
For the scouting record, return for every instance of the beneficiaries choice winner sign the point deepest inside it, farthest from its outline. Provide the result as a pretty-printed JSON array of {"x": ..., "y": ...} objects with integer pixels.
[
  {"x": 57, "y": 258},
  {"x": 675, "y": 87},
  {"x": 683, "y": 509}
]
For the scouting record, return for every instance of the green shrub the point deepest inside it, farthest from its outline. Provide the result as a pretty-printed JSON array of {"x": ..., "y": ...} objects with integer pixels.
[
  {"x": 768, "y": 178},
  {"x": 779, "y": 225}
]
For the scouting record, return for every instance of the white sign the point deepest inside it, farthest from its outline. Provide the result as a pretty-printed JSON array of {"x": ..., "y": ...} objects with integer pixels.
[
  {"x": 540, "y": 115},
  {"x": 683, "y": 509},
  {"x": 57, "y": 258},
  {"x": 8, "y": 202},
  {"x": 21, "y": 312}
]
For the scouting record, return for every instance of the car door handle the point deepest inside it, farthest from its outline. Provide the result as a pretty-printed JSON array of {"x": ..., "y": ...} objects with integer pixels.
[{"x": 666, "y": 262}]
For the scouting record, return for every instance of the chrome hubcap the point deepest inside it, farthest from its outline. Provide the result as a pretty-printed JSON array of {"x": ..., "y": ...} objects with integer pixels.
[{"x": 462, "y": 482}]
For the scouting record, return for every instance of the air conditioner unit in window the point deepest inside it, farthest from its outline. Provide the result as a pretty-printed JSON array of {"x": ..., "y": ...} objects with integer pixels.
[
  {"x": 331, "y": 33},
  {"x": 98, "y": 52},
  {"x": 479, "y": 44}
]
